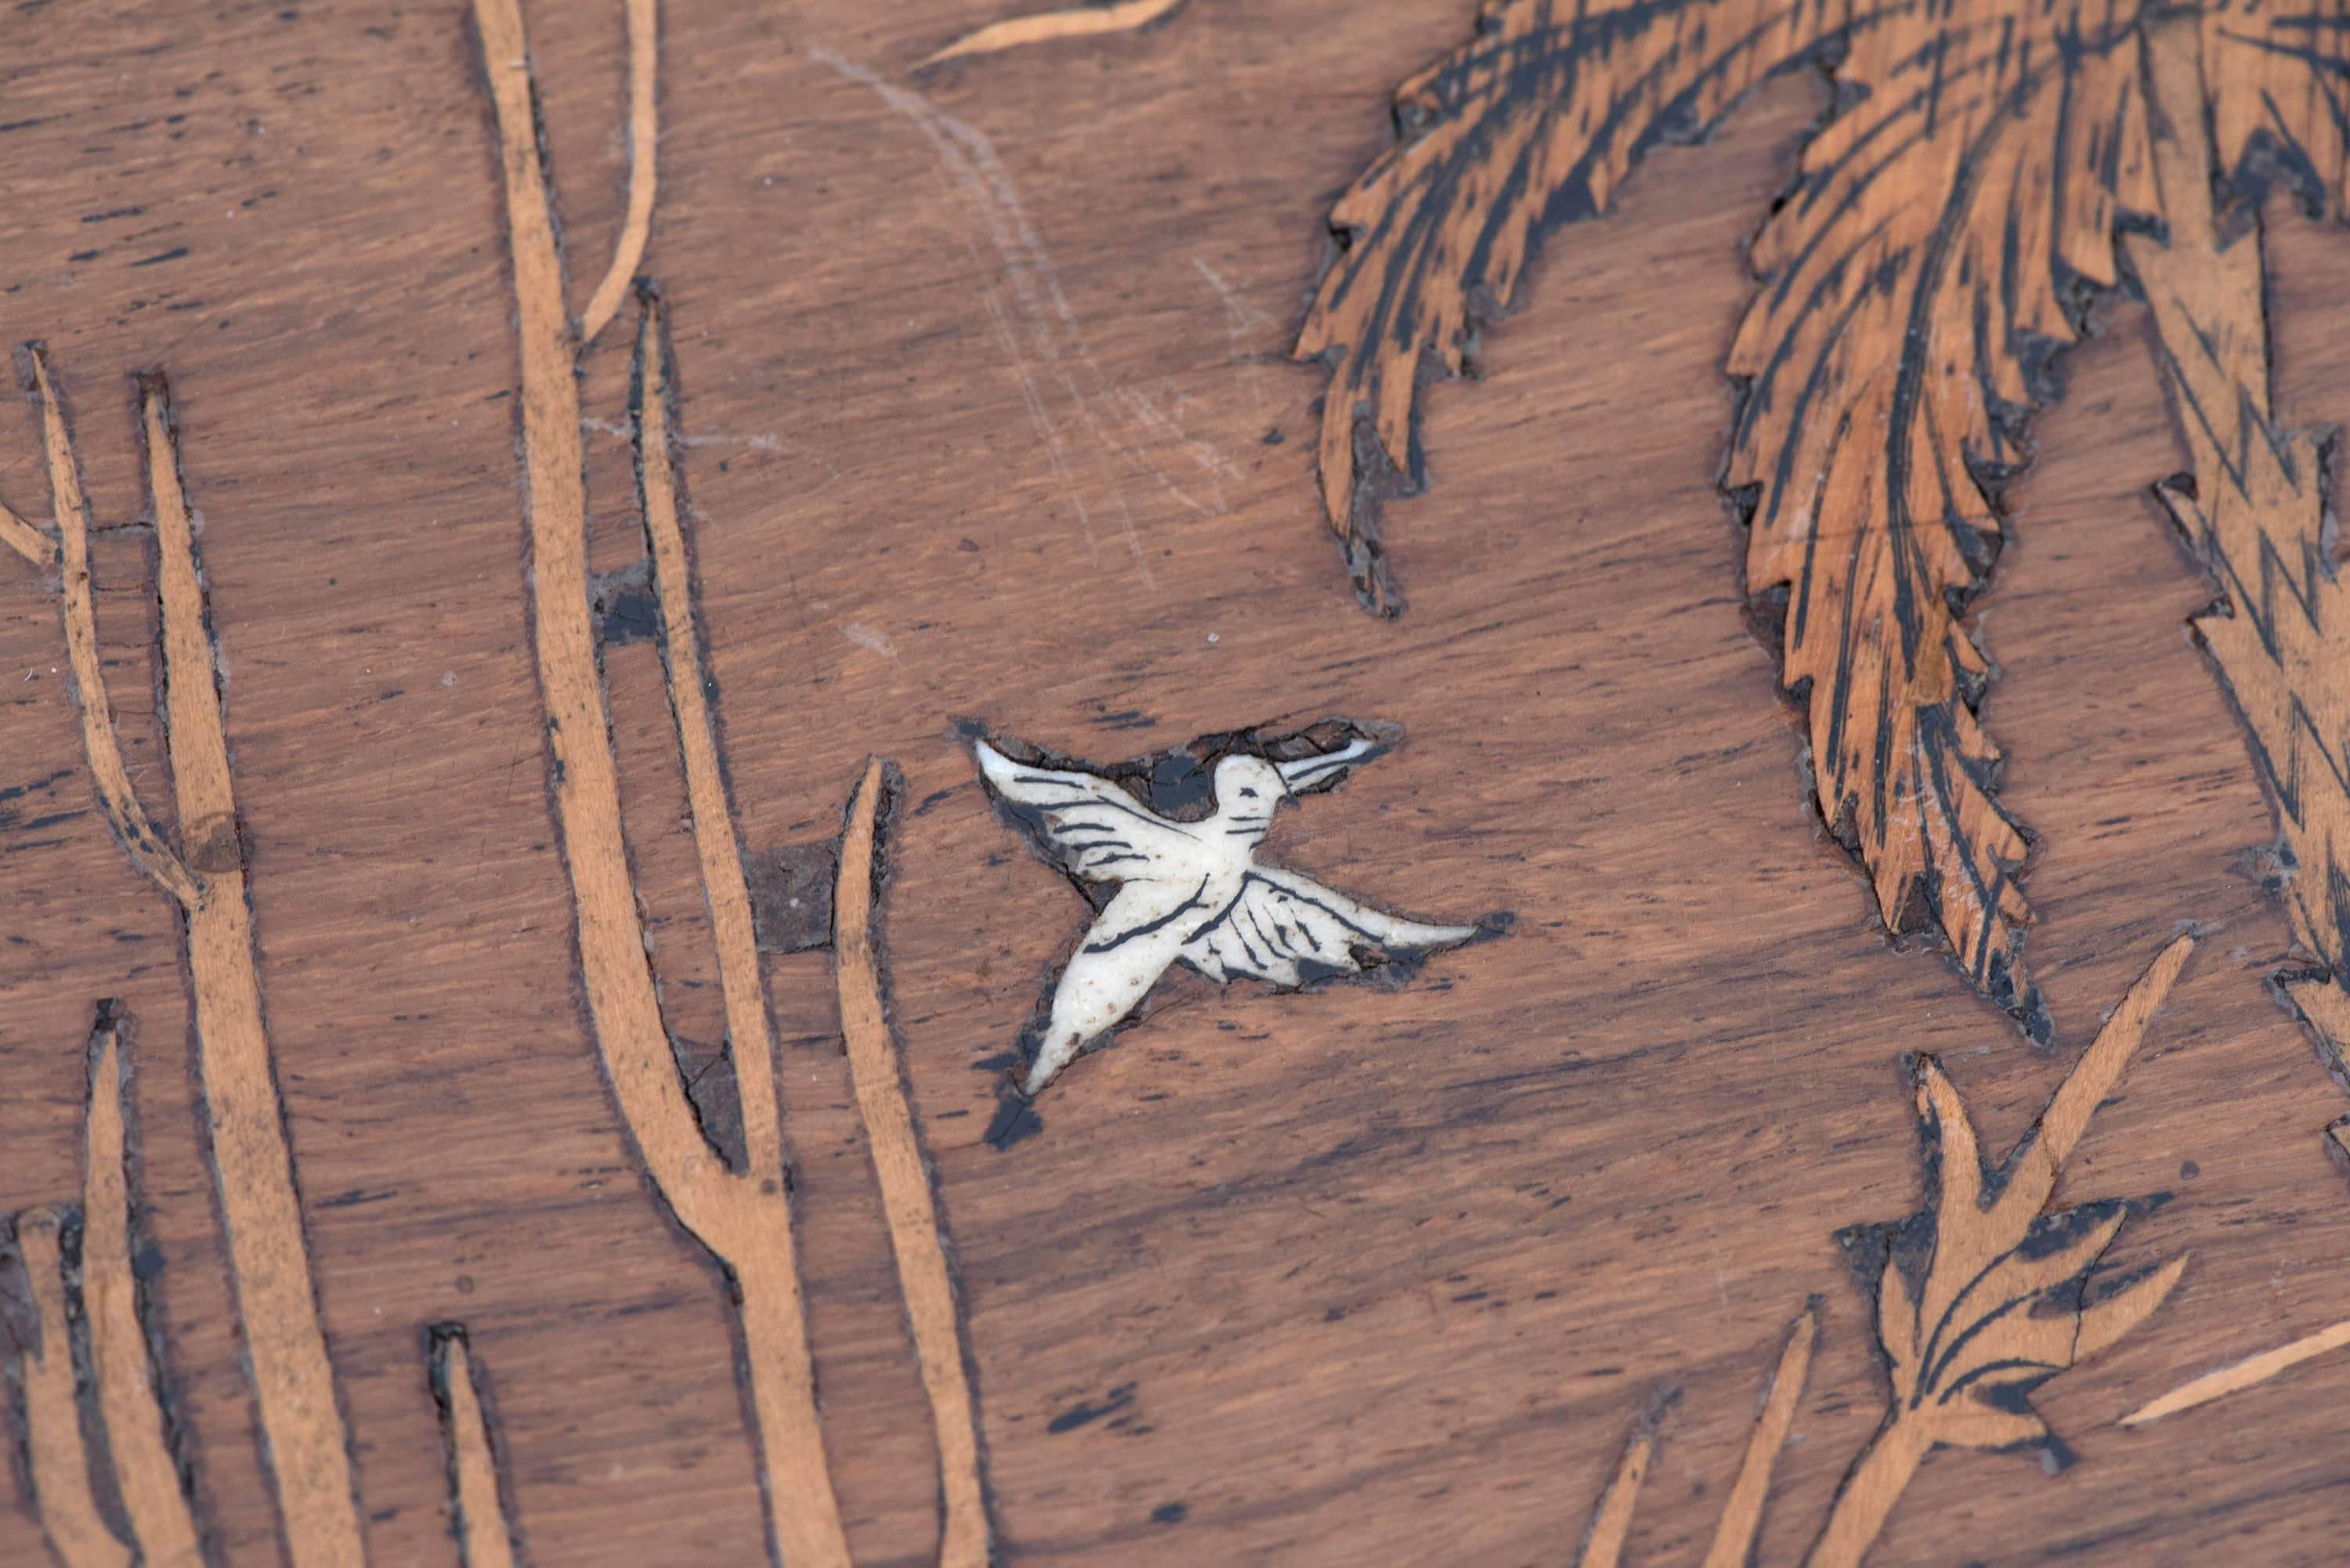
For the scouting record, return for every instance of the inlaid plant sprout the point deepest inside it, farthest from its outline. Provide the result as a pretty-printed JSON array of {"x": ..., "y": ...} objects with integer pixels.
[
  {"x": 481, "y": 1512},
  {"x": 82, "y": 1334},
  {"x": 742, "y": 1214},
  {"x": 305, "y": 1447},
  {"x": 1982, "y": 1297},
  {"x": 1088, "y": 21},
  {"x": 81, "y": 1341}
]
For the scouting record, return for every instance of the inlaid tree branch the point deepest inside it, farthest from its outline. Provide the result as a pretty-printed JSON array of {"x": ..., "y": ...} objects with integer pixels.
[
  {"x": 89, "y": 1348},
  {"x": 741, "y": 1215},
  {"x": 1740, "y": 1524},
  {"x": 915, "y": 1233},
  {"x": 1949, "y": 226},
  {"x": 305, "y": 1446}
]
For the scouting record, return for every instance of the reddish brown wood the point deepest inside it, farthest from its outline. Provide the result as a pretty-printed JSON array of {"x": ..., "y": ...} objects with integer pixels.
[{"x": 1366, "y": 1274}]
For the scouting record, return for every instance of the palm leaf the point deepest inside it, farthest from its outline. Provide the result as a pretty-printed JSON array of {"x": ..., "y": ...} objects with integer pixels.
[
  {"x": 2254, "y": 506},
  {"x": 2279, "y": 93},
  {"x": 1532, "y": 123},
  {"x": 1931, "y": 259}
]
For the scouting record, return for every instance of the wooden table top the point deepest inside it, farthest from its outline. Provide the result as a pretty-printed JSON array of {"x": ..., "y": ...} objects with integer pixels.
[{"x": 1177, "y": 784}]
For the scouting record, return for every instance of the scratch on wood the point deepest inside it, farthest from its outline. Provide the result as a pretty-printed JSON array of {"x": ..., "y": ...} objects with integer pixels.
[{"x": 1048, "y": 326}]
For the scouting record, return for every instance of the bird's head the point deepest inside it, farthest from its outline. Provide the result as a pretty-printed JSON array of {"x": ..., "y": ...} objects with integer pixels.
[{"x": 1248, "y": 791}]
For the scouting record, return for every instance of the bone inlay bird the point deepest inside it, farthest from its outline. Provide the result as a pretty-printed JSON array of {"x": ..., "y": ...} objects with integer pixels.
[{"x": 1190, "y": 891}]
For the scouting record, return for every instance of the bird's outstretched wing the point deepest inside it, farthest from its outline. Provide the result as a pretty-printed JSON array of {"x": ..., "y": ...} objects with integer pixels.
[
  {"x": 1095, "y": 829},
  {"x": 1284, "y": 928},
  {"x": 1305, "y": 775}
]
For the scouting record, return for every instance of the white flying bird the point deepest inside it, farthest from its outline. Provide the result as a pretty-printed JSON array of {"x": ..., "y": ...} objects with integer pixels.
[{"x": 1190, "y": 890}]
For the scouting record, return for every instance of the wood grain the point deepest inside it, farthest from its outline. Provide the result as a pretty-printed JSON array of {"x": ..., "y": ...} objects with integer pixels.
[{"x": 980, "y": 405}]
